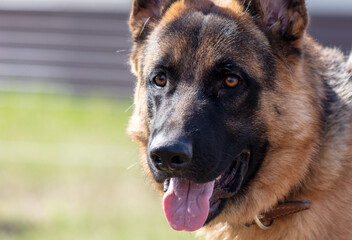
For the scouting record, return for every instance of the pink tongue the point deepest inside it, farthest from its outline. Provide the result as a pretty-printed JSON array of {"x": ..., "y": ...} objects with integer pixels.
[{"x": 186, "y": 204}]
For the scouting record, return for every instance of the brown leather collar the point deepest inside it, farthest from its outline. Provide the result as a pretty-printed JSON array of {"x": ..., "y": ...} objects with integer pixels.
[{"x": 266, "y": 220}]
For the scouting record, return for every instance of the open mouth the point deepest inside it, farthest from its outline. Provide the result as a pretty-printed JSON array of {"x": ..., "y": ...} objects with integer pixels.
[{"x": 188, "y": 205}]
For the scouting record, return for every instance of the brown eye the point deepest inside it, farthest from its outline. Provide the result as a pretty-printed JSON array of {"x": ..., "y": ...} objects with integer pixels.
[
  {"x": 160, "y": 80},
  {"x": 232, "y": 81}
]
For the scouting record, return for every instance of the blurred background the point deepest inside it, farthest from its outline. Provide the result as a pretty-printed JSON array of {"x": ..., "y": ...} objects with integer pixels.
[{"x": 67, "y": 168}]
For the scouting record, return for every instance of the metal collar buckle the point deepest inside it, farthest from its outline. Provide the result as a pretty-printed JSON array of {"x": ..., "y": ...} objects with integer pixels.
[{"x": 262, "y": 225}]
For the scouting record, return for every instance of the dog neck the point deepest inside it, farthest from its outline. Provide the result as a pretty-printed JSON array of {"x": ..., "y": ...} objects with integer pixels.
[
  {"x": 266, "y": 220},
  {"x": 336, "y": 130}
]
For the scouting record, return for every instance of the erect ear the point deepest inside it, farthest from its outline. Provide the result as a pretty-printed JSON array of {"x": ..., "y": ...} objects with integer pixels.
[
  {"x": 144, "y": 13},
  {"x": 286, "y": 18}
]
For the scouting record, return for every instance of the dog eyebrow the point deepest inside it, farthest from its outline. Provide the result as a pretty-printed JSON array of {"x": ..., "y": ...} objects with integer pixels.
[
  {"x": 227, "y": 64},
  {"x": 228, "y": 67},
  {"x": 163, "y": 65}
]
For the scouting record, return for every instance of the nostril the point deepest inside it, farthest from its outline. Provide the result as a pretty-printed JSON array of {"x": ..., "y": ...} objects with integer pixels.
[
  {"x": 176, "y": 161},
  {"x": 156, "y": 159}
]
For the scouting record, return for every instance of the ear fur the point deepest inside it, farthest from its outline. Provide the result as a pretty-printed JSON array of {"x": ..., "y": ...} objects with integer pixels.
[
  {"x": 287, "y": 19},
  {"x": 144, "y": 13}
]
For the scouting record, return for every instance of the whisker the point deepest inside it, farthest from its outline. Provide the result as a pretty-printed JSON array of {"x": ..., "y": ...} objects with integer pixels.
[
  {"x": 133, "y": 165},
  {"x": 248, "y": 6},
  {"x": 145, "y": 24},
  {"x": 122, "y": 51},
  {"x": 129, "y": 108},
  {"x": 227, "y": 154}
]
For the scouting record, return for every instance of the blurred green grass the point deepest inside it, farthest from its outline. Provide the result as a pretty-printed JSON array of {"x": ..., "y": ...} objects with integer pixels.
[{"x": 68, "y": 171}]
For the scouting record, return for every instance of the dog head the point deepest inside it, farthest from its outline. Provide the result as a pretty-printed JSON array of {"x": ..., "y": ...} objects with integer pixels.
[{"x": 223, "y": 110}]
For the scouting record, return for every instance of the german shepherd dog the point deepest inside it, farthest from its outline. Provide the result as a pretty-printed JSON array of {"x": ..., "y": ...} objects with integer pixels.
[{"x": 242, "y": 119}]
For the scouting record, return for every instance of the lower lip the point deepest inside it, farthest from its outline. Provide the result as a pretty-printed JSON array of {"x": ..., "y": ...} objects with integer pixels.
[
  {"x": 214, "y": 206},
  {"x": 215, "y": 209}
]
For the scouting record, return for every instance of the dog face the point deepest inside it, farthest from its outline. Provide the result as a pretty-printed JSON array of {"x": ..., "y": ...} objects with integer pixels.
[
  {"x": 202, "y": 96},
  {"x": 218, "y": 100}
]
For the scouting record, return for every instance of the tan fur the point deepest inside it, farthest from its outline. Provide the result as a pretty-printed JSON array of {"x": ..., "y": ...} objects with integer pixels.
[
  {"x": 305, "y": 162},
  {"x": 324, "y": 169}
]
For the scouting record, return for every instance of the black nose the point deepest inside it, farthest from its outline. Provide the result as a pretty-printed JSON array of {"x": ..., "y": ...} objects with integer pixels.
[{"x": 170, "y": 156}]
